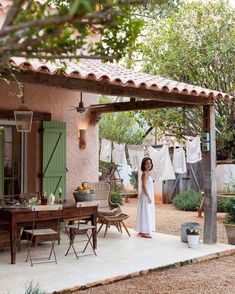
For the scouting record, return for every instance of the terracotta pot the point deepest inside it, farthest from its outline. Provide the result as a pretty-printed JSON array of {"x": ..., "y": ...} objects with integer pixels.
[{"x": 230, "y": 230}]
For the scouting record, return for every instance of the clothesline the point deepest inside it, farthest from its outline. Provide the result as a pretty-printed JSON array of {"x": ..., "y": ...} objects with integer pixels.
[{"x": 164, "y": 168}]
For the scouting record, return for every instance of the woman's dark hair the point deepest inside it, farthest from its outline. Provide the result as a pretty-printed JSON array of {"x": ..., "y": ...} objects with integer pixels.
[{"x": 144, "y": 161}]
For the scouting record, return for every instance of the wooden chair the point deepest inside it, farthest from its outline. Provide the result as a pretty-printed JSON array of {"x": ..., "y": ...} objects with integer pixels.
[
  {"x": 49, "y": 233},
  {"x": 116, "y": 220},
  {"x": 24, "y": 198},
  {"x": 79, "y": 227}
]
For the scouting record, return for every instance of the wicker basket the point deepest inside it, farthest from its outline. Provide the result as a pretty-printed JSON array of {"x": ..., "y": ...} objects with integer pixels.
[{"x": 5, "y": 236}]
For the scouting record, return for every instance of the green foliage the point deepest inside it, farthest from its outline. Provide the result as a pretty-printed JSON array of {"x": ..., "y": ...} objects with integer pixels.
[
  {"x": 188, "y": 200},
  {"x": 31, "y": 289},
  {"x": 192, "y": 231},
  {"x": 230, "y": 211},
  {"x": 54, "y": 28},
  {"x": 222, "y": 204},
  {"x": 120, "y": 127},
  {"x": 193, "y": 43},
  {"x": 134, "y": 179},
  {"x": 116, "y": 197}
]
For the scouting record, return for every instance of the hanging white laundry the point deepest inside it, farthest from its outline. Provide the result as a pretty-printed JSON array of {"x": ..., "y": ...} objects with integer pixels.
[
  {"x": 136, "y": 154},
  {"x": 179, "y": 163},
  {"x": 162, "y": 166},
  {"x": 193, "y": 150},
  {"x": 105, "y": 150},
  {"x": 118, "y": 154}
]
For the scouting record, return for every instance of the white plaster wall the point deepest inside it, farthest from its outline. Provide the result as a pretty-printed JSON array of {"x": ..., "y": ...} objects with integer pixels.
[
  {"x": 225, "y": 176},
  {"x": 82, "y": 164}
]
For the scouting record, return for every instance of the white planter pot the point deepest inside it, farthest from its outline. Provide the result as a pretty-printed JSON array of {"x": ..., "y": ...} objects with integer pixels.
[{"x": 193, "y": 241}]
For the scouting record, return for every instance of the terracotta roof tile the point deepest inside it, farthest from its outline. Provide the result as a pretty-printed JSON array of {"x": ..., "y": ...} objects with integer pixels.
[{"x": 112, "y": 73}]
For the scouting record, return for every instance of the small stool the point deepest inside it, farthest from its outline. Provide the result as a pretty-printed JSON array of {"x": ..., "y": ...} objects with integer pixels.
[{"x": 116, "y": 220}]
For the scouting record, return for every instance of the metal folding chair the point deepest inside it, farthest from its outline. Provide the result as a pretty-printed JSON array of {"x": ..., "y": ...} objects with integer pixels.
[
  {"x": 77, "y": 227},
  {"x": 50, "y": 233}
]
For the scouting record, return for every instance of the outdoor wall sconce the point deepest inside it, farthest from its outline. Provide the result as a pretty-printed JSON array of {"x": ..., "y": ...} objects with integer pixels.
[
  {"x": 23, "y": 116},
  {"x": 82, "y": 138}
]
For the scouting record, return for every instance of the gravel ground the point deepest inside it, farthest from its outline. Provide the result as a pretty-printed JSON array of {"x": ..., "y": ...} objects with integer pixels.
[
  {"x": 209, "y": 277},
  {"x": 169, "y": 219}
]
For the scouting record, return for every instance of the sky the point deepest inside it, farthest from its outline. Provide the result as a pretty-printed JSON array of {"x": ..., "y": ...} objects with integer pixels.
[{"x": 232, "y": 2}]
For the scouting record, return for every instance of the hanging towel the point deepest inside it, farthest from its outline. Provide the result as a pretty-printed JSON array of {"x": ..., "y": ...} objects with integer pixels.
[
  {"x": 179, "y": 163},
  {"x": 118, "y": 154},
  {"x": 193, "y": 150},
  {"x": 136, "y": 154},
  {"x": 162, "y": 166},
  {"x": 105, "y": 150}
]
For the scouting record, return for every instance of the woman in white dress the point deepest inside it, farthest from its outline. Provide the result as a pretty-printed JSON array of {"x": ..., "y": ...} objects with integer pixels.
[{"x": 145, "y": 223}]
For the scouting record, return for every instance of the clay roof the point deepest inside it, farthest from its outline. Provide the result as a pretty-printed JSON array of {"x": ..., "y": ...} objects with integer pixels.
[
  {"x": 115, "y": 74},
  {"x": 110, "y": 73}
]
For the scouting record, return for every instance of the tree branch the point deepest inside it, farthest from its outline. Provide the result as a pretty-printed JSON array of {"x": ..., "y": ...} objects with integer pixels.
[{"x": 12, "y": 13}]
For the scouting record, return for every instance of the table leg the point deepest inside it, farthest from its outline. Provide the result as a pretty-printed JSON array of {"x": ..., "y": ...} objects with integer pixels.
[
  {"x": 94, "y": 231},
  {"x": 13, "y": 239}
]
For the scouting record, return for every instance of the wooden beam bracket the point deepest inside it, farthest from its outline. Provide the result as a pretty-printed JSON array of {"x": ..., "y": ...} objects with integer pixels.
[{"x": 95, "y": 117}]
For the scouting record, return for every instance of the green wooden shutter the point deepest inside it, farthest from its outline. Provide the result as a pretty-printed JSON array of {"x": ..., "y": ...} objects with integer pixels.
[
  {"x": 1, "y": 160},
  {"x": 54, "y": 157}
]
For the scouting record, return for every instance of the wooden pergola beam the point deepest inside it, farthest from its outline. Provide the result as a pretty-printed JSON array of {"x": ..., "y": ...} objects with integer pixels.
[
  {"x": 9, "y": 114},
  {"x": 133, "y": 105},
  {"x": 106, "y": 88}
]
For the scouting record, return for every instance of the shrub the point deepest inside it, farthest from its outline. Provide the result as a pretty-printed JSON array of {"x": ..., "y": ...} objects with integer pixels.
[
  {"x": 33, "y": 289},
  {"x": 222, "y": 204},
  {"x": 188, "y": 200},
  {"x": 116, "y": 197},
  {"x": 230, "y": 211},
  {"x": 134, "y": 179}
]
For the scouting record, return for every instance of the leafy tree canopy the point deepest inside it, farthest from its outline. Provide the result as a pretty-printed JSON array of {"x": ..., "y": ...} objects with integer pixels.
[
  {"x": 55, "y": 29},
  {"x": 193, "y": 43},
  {"x": 120, "y": 127}
]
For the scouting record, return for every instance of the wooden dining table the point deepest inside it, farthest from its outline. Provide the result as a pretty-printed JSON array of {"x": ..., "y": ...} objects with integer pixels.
[{"x": 20, "y": 217}]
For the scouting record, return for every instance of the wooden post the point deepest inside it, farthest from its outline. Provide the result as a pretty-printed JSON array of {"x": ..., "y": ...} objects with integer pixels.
[{"x": 210, "y": 203}]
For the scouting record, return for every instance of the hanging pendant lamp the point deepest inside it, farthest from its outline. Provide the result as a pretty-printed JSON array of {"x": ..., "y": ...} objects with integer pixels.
[{"x": 23, "y": 116}]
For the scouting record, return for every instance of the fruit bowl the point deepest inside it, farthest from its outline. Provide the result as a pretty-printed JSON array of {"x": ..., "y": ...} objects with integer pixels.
[
  {"x": 85, "y": 195},
  {"x": 83, "y": 191}
]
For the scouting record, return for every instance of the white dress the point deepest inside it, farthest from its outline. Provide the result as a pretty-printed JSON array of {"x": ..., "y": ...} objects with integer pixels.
[{"x": 145, "y": 222}]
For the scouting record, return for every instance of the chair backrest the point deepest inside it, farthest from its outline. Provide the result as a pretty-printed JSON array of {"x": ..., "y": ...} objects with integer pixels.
[
  {"x": 102, "y": 192},
  {"x": 55, "y": 207}
]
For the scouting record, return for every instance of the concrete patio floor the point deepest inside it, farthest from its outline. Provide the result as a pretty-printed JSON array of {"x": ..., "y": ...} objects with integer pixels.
[{"x": 118, "y": 256}]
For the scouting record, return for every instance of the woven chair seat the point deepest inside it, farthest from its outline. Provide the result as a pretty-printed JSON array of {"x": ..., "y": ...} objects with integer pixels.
[{"x": 119, "y": 217}]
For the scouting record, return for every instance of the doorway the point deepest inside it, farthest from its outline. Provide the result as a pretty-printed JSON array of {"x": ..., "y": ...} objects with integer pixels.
[{"x": 10, "y": 161}]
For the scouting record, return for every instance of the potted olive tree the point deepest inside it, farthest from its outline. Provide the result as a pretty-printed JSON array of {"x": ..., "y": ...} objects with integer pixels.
[
  {"x": 230, "y": 221},
  {"x": 193, "y": 237}
]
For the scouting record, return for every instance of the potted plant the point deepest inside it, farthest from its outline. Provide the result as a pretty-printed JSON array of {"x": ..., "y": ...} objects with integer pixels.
[
  {"x": 230, "y": 221},
  {"x": 193, "y": 237}
]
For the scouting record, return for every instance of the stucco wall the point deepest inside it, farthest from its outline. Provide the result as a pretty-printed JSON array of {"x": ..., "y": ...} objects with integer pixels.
[{"x": 82, "y": 164}]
